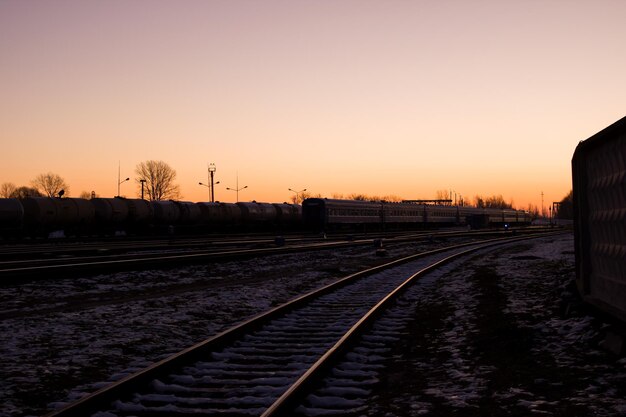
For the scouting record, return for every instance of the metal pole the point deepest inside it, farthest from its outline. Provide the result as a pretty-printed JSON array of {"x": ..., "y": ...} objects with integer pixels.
[
  {"x": 212, "y": 170},
  {"x": 208, "y": 177}
]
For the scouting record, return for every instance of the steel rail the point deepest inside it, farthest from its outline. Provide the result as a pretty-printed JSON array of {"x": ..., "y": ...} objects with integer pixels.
[
  {"x": 61, "y": 247},
  {"x": 130, "y": 383},
  {"x": 294, "y": 394},
  {"x": 11, "y": 272}
]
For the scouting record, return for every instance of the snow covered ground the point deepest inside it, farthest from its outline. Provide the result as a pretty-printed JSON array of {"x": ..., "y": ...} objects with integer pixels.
[
  {"x": 487, "y": 339},
  {"x": 61, "y": 339},
  {"x": 491, "y": 338}
]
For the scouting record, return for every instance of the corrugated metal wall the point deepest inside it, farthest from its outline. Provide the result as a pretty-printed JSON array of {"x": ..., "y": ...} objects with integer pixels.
[{"x": 599, "y": 169}]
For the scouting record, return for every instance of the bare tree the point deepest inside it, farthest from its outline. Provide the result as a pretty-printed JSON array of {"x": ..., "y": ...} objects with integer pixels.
[
  {"x": 444, "y": 195},
  {"x": 159, "y": 178},
  {"x": 358, "y": 196},
  {"x": 86, "y": 195},
  {"x": 23, "y": 192},
  {"x": 300, "y": 197},
  {"x": 494, "y": 201},
  {"x": 6, "y": 189},
  {"x": 533, "y": 210},
  {"x": 50, "y": 184}
]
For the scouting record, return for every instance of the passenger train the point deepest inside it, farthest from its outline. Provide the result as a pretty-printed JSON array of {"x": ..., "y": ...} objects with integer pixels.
[
  {"x": 324, "y": 214},
  {"x": 45, "y": 217}
]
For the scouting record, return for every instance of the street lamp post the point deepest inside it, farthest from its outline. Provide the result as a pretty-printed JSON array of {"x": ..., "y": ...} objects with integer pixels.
[
  {"x": 118, "y": 178},
  {"x": 237, "y": 189},
  {"x": 120, "y": 183},
  {"x": 297, "y": 192},
  {"x": 210, "y": 187},
  {"x": 212, "y": 170},
  {"x": 142, "y": 181}
]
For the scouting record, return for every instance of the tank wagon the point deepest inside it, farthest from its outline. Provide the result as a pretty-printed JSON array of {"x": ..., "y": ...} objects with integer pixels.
[
  {"x": 599, "y": 191},
  {"x": 324, "y": 214},
  {"x": 254, "y": 213},
  {"x": 11, "y": 216},
  {"x": 47, "y": 216},
  {"x": 42, "y": 215},
  {"x": 220, "y": 215}
]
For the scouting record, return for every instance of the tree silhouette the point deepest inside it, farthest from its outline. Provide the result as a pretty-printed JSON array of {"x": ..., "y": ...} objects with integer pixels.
[
  {"x": 159, "y": 178},
  {"x": 50, "y": 184},
  {"x": 86, "y": 195},
  {"x": 7, "y": 189},
  {"x": 23, "y": 192},
  {"x": 495, "y": 201}
]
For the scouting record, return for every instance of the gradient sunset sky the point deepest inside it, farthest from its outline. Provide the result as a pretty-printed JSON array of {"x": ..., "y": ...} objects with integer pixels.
[{"x": 346, "y": 96}]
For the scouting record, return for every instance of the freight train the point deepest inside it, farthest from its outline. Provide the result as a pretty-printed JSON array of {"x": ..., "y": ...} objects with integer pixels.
[{"x": 44, "y": 217}]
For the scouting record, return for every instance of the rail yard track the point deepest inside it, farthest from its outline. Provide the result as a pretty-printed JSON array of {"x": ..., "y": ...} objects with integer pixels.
[
  {"x": 52, "y": 261},
  {"x": 264, "y": 366}
]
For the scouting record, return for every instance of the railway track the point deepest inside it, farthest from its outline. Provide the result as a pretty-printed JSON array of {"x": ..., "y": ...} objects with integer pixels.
[
  {"x": 265, "y": 365},
  {"x": 65, "y": 262},
  {"x": 47, "y": 249}
]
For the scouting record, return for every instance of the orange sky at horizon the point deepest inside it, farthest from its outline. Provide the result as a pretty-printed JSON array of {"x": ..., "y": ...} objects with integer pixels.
[{"x": 356, "y": 96}]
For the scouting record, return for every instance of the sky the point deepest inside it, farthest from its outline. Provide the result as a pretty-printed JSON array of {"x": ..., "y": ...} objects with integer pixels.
[{"x": 403, "y": 98}]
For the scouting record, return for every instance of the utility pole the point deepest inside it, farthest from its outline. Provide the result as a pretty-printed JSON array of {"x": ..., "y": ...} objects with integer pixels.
[
  {"x": 237, "y": 189},
  {"x": 212, "y": 170},
  {"x": 118, "y": 178}
]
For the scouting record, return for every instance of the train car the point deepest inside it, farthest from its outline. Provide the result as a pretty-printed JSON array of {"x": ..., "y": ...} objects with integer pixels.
[
  {"x": 325, "y": 214},
  {"x": 442, "y": 215},
  {"x": 110, "y": 211},
  {"x": 75, "y": 212},
  {"x": 255, "y": 214},
  {"x": 322, "y": 213},
  {"x": 11, "y": 217},
  {"x": 75, "y": 216},
  {"x": 40, "y": 214},
  {"x": 502, "y": 217},
  {"x": 288, "y": 214},
  {"x": 166, "y": 212},
  {"x": 220, "y": 215},
  {"x": 139, "y": 211},
  {"x": 44, "y": 215},
  {"x": 190, "y": 213},
  {"x": 599, "y": 193},
  {"x": 403, "y": 213}
]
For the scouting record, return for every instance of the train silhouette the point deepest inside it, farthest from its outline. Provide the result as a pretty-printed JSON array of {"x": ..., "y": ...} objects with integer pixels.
[{"x": 51, "y": 216}]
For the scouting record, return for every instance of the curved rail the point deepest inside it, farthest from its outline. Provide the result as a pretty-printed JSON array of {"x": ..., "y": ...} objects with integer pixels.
[
  {"x": 12, "y": 271},
  {"x": 284, "y": 404},
  {"x": 125, "y": 389}
]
